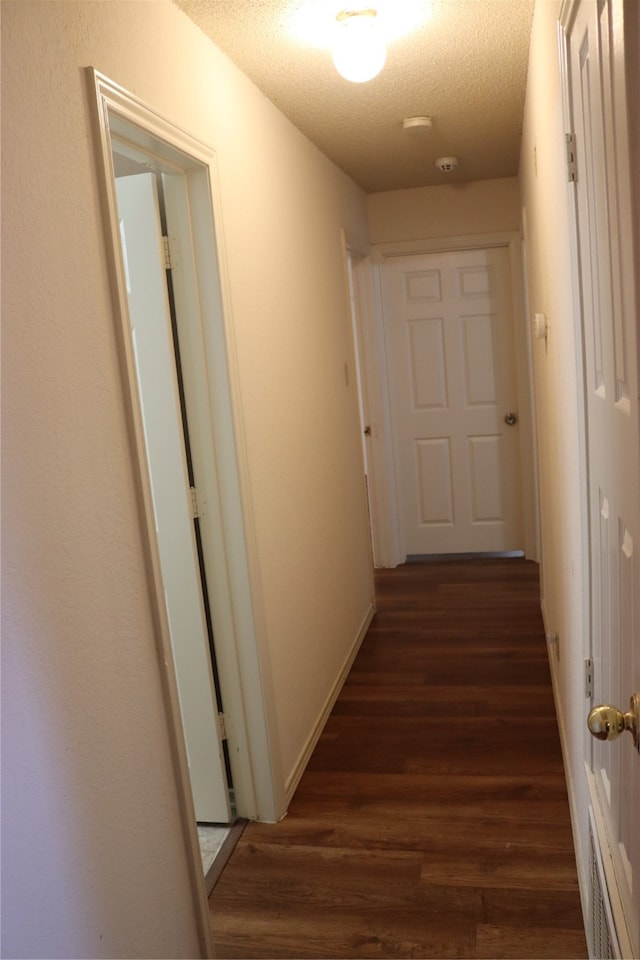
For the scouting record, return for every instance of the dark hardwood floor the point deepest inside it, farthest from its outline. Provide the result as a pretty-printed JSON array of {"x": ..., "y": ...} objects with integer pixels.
[{"x": 432, "y": 820}]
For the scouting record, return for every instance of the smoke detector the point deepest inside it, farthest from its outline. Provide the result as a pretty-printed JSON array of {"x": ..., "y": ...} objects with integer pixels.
[{"x": 446, "y": 164}]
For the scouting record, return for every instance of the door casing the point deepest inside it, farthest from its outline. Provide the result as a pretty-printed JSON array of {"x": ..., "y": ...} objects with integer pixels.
[{"x": 245, "y": 670}]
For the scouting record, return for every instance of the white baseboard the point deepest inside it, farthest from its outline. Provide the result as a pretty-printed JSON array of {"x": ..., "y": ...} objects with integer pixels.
[{"x": 305, "y": 755}]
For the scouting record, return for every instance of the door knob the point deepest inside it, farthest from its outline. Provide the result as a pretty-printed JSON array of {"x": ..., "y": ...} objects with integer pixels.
[
  {"x": 607, "y": 723},
  {"x": 510, "y": 419}
]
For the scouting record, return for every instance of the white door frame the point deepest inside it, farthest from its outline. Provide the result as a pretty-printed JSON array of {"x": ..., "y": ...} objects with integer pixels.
[
  {"x": 373, "y": 304},
  {"x": 244, "y": 668},
  {"x": 358, "y": 282}
]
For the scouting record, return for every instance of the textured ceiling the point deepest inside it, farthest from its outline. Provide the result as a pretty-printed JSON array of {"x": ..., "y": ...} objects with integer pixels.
[{"x": 464, "y": 65}]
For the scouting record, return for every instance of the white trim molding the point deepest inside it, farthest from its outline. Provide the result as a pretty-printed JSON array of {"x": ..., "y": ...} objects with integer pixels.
[{"x": 244, "y": 667}]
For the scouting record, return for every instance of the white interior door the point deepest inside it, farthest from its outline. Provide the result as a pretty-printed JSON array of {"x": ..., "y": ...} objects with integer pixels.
[
  {"x": 165, "y": 444},
  {"x": 452, "y": 374},
  {"x": 611, "y": 402}
]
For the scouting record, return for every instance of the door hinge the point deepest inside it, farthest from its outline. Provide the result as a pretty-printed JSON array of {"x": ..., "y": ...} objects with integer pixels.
[
  {"x": 572, "y": 169},
  {"x": 222, "y": 727},
  {"x": 167, "y": 253},
  {"x": 195, "y": 512},
  {"x": 588, "y": 679}
]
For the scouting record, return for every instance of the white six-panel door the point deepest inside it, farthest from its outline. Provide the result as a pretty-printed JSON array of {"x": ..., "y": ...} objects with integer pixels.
[
  {"x": 609, "y": 331},
  {"x": 452, "y": 375}
]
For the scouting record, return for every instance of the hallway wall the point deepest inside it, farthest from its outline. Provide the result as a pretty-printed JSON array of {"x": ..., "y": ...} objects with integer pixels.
[
  {"x": 450, "y": 210},
  {"x": 93, "y": 852}
]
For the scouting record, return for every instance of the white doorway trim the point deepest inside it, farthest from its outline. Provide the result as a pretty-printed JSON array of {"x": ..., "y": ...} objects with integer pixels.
[
  {"x": 385, "y": 515},
  {"x": 362, "y": 306},
  {"x": 244, "y": 668},
  {"x": 375, "y": 410}
]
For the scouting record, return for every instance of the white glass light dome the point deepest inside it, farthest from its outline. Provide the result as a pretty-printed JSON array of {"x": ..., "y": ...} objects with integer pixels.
[{"x": 359, "y": 52}]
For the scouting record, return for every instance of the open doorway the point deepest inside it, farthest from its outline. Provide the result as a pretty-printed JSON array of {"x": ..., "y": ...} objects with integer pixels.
[{"x": 164, "y": 244}]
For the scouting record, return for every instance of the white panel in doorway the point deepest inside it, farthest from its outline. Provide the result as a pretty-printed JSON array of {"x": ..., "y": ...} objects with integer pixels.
[
  {"x": 484, "y": 461},
  {"x": 478, "y": 346},
  {"x": 155, "y": 363},
  {"x": 428, "y": 379},
  {"x": 423, "y": 286},
  {"x": 433, "y": 459}
]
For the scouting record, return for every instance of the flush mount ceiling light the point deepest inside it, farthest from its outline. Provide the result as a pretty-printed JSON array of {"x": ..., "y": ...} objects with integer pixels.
[
  {"x": 359, "y": 51},
  {"x": 417, "y": 123}
]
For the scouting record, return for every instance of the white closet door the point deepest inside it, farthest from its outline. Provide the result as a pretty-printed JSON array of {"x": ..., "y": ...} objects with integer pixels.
[{"x": 157, "y": 382}]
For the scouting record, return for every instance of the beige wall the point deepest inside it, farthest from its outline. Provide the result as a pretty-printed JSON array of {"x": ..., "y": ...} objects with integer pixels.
[
  {"x": 93, "y": 854},
  {"x": 545, "y": 198},
  {"x": 450, "y": 210}
]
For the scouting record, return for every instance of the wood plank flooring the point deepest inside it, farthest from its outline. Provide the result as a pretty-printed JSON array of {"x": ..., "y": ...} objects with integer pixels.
[{"x": 432, "y": 820}]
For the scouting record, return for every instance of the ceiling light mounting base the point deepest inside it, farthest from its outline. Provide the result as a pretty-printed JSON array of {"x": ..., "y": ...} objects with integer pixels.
[
  {"x": 347, "y": 14},
  {"x": 417, "y": 123}
]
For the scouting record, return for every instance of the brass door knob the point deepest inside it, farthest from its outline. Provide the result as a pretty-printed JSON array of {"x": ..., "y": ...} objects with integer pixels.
[
  {"x": 607, "y": 723},
  {"x": 510, "y": 419}
]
